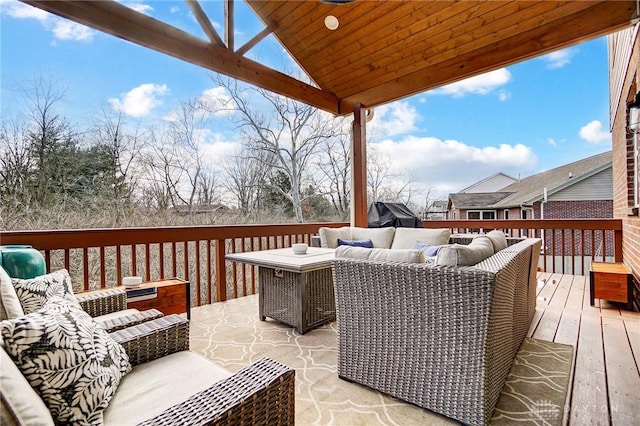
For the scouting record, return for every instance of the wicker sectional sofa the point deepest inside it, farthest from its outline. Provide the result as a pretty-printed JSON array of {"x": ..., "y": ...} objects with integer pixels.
[{"x": 440, "y": 337}]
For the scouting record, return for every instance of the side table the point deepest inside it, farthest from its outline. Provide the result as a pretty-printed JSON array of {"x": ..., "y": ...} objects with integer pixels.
[
  {"x": 170, "y": 296},
  {"x": 611, "y": 281},
  {"x": 296, "y": 289}
]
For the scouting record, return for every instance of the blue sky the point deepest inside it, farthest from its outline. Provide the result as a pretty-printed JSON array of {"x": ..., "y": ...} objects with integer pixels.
[{"x": 520, "y": 120}]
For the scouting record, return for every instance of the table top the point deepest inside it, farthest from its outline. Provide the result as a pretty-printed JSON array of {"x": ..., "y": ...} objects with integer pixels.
[{"x": 285, "y": 259}]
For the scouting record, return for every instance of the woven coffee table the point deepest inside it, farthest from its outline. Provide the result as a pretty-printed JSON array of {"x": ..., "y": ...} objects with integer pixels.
[{"x": 296, "y": 289}]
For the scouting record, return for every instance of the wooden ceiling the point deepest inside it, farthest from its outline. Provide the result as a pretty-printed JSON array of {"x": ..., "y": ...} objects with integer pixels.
[{"x": 381, "y": 51}]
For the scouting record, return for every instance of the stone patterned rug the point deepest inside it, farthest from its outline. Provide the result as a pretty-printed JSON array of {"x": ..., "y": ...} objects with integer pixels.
[{"x": 231, "y": 334}]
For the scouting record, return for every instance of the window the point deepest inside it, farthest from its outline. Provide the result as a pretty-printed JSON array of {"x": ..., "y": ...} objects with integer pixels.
[{"x": 481, "y": 214}]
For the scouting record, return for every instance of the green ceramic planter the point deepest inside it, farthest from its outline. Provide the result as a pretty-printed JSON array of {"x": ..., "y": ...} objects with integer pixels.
[{"x": 22, "y": 261}]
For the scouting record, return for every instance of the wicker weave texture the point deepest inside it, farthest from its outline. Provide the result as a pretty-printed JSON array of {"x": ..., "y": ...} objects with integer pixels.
[
  {"x": 302, "y": 300},
  {"x": 118, "y": 323},
  {"x": 442, "y": 338},
  {"x": 103, "y": 302},
  {"x": 261, "y": 394},
  {"x": 154, "y": 339}
]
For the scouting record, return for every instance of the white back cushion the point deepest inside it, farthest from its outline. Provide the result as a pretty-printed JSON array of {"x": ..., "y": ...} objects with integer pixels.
[
  {"x": 10, "y": 307},
  {"x": 380, "y": 237},
  {"x": 20, "y": 404},
  {"x": 405, "y": 238},
  {"x": 329, "y": 236}
]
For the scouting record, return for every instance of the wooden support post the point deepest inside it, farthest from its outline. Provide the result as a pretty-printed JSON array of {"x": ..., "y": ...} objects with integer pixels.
[{"x": 359, "y": 167}]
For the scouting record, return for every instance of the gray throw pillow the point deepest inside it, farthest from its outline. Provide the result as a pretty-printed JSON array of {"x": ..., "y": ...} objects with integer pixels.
[{"x": 478, "y": 250}]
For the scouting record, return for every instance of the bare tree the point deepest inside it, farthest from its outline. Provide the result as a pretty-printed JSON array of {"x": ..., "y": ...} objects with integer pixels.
[
  {"x": 245, "y": 176},
  {"x": 383, "y": 183},
  {"x": 123, "y": 145},
  {"x": 287, "y": 130},
  {"x": 334, "y": 166}
]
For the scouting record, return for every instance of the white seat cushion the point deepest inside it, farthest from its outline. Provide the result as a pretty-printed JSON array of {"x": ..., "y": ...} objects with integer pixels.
[
  {"x": 155, "y": 386},
  {"x": 380, "y": 237},
  {"x": 329, "y": 236}
]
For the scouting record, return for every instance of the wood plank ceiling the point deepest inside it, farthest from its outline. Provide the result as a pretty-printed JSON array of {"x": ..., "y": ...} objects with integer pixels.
[{"x": 381, "y": 51}]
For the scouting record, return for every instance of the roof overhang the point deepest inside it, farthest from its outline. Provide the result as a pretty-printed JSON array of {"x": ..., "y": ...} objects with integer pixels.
[{"x": 381, "y": 51}]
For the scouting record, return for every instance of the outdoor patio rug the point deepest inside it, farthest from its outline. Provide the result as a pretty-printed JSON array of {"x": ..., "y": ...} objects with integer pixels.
[
  {"x": 230, "y": 334},
  {"x": 537, "y": 385}
]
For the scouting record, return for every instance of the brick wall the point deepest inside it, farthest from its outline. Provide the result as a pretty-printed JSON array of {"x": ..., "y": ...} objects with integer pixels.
[{"x": 621, "y": 193}]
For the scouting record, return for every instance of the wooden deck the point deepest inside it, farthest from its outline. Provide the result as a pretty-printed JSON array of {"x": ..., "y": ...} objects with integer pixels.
[{"x": 605, "y": 387}]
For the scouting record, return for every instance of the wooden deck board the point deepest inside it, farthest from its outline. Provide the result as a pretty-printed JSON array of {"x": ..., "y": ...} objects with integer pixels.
[{"x": 605, "y": 386}]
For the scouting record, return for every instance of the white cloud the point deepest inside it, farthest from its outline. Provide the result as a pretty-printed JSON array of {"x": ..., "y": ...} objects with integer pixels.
[
  {"x": 140, "y": 101},
  {"x": 593, "y": 133},
  {"x": 140, "y": 7},
  {"x": 482, "y": 84},
  {"x": 67, "y": 30},
  {"x": 217, "y": 101},
  {"x": 395, "y": 118},
  {"x": 62, "y": 29},
  {"x": 449, "y": 165},
  {"x": 503, "y": 95},
  {"x": 559, "y": 58}
]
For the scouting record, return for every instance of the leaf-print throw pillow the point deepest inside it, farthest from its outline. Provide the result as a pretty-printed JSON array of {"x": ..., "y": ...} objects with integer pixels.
[
  {"x": 73, "y": 364},
  {"x": 33, "y": 293}
]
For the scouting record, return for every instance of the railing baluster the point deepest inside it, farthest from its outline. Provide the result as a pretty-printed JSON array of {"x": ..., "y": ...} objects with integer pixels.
[
  {"x": 221, "y": 272},
  {"x": 134, "y": 261},
  {"x": 209, "y": 286},
  {"x": 85, "y": 267},
  {"x": 186, "y": 260},
  {"x": 196, "y": 277},
  {"x": 174, "y": 261},
  {"x": 103, "y": 269},
  {"x": 161, "y": 255},
  {"x": 234, "y": 269},
  {"x": 147, "y": 262},
  {"x": 118, "y": 264}
]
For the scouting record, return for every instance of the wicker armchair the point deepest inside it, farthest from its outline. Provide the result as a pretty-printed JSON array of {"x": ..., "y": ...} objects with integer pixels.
[
  {"x": 440, "y": 337},
  {"x": 169, "y": 385}
]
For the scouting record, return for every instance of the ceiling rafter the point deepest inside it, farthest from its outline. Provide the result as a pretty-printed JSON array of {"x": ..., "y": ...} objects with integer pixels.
[
  {"x": 116, "y": 19},
  {"x": 204, "y": 22}
]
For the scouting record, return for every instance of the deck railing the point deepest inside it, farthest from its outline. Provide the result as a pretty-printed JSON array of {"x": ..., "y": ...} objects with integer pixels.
[{"x": 98, "y": 258}]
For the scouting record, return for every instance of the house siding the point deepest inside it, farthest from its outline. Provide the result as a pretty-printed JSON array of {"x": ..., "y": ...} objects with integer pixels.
[
  {"x": 596, "y": 187},
  {"x": 630, "y": 78}
]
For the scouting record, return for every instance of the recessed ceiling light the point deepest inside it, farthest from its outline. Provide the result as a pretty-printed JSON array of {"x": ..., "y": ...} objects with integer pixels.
[{"x": 331, "y": 22}]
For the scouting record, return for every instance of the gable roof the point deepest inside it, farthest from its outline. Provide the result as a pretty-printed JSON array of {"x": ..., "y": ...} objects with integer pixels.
[
  {"x": 475, "y": 200},
  {"x": 499, "y": 175},
  {"x": 531, "y": 189},
  {"x": 381, "y": 51}
]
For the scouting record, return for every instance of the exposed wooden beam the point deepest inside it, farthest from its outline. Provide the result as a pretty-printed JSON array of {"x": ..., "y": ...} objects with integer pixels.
[
  {"x": 255, "y": 40},
  {"x": 601, "y": 19},
  {"x": 118, "y": 20},
  {"x": 204, "y": 22},
  {"x": 229, "y": 26}
]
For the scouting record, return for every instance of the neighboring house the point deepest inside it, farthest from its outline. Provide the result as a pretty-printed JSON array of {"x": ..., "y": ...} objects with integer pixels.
[
  {"x": 437, "y": 210},
  {"x": 583, "y": 189},
  {"x": 490, "y": 184}
]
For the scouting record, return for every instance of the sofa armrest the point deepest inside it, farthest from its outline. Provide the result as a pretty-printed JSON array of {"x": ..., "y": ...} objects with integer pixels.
[
  {"x": 154, "y": 339},
  {"x": 261, "y": 393},
  {"x": 129, "y": 320},
  {"x": 102, "y": 302}
]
